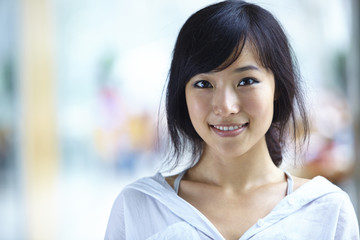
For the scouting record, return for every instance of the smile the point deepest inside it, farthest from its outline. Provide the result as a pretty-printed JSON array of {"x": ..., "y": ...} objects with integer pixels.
[{"x": 229, "y": 130}]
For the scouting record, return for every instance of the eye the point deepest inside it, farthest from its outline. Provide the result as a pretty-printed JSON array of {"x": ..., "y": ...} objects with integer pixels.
[
  {"x": 247, "y": 81},
  {"x": 202, "y": 84}
]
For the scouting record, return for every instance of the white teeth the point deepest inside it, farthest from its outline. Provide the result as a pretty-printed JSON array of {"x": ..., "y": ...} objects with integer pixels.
[{"x": 228, "y": 128}]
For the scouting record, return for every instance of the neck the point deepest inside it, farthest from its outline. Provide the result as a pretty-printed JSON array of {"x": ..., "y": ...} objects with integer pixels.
[{"x": 239, "y": 173}]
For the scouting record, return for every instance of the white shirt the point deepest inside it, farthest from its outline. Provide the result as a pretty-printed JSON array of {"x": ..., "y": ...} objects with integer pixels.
[{"x": 150, "y": 209}]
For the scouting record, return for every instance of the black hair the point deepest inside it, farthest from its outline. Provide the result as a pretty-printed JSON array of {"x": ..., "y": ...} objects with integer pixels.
[{"x": 212, "y": 39}]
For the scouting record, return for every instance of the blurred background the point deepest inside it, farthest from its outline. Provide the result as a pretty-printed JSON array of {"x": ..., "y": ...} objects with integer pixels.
[{"x": 80, "y": 98}]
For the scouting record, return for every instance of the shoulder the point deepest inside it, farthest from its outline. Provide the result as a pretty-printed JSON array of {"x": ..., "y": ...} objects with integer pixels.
[
  {"x": 335, "y": 206},
  {"x": 321, "y": 191},
  {"x": 141, "y": 195},
  {"x": 145, "y": 189},
  {"x": 324, "y": 200},
  {"x": 144, "y": 186},
  {"x": 140, "y": 201}
]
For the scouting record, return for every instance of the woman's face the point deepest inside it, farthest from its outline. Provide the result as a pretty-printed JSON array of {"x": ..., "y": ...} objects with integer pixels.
[{"x": 232, "y": 109}]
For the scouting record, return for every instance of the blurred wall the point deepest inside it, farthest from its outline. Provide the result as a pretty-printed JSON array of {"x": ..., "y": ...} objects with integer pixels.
[
  {"x": 354, "y": 89},
  {"x": 37, "y": 118}
]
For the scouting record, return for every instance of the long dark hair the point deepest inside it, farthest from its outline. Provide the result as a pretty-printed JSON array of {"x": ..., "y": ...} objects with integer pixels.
[{"x": 207, "y": 41}]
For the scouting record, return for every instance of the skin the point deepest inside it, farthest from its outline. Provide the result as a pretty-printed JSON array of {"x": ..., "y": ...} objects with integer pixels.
[{"x": 235, "y": 182}]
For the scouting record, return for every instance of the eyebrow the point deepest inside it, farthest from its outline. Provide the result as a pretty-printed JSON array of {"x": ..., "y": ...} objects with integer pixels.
[
  {"x": 246, "y": 68},
  {"x": 241, "y": 69}
]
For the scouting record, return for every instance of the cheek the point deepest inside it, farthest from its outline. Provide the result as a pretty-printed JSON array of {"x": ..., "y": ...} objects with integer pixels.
[
  {"x": 197, "y": 107},
  {"x": 261, "y": 107}
]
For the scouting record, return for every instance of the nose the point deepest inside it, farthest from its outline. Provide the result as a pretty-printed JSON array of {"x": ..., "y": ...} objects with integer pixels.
[{"x": 226, "y": 102}]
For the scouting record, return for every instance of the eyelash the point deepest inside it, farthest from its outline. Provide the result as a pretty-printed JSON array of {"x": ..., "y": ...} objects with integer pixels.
[
  {"x": 243, "y": 82},
  {"x": 203, "y": 83},
  {"x": 248, "y": 81}
]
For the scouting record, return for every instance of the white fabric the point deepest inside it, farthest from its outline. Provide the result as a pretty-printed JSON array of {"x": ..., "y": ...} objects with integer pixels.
[{"x": 150, "y": 209}]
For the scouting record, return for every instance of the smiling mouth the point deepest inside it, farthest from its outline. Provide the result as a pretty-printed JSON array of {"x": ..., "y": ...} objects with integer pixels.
[{"x": 227, "y": 128}]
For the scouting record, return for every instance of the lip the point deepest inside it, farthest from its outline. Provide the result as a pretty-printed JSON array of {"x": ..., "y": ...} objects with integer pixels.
[{"x": 228, "y": 130}]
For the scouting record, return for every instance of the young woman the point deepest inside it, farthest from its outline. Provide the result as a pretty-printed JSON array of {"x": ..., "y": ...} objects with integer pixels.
[{"x": 232, "y": 98}]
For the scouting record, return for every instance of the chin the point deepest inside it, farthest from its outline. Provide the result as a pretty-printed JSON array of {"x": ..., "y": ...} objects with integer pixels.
[{"x": 231, "y": 153}]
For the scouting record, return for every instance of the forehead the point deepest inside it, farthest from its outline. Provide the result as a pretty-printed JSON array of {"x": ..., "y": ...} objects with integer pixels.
[
  {"x": 249, "y": 54},
  {"x": 243, "y": 55}
]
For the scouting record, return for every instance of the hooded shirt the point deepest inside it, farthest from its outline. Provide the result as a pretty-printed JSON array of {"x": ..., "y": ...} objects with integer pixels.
[{"x": 151, "y": 209}]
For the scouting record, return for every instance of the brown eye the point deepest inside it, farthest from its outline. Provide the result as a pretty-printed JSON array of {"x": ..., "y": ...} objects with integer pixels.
[
  {"x": 247, "y": 81},
  {"x": 202, "y": 84}
]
